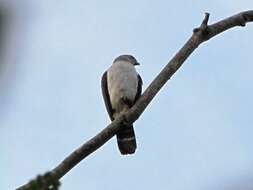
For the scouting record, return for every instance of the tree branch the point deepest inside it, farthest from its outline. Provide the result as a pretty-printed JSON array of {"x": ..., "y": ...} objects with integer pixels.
[{"x": 203, "y": 33}]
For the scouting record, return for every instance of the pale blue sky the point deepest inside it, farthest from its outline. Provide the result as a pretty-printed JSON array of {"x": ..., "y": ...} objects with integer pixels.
[{"x": 195, "y": 135}]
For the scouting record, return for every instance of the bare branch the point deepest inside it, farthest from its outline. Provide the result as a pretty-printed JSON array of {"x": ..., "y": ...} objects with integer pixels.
[{"x": 203, "y": 33}]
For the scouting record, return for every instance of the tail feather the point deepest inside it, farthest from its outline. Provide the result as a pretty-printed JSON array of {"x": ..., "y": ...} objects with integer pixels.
[{"x": 126, "y": 140}]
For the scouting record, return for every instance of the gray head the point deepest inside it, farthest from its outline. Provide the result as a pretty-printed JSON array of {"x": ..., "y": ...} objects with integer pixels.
[{"x": 128, "y": 58}]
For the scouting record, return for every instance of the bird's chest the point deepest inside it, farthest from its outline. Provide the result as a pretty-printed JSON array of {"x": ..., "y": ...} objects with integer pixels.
[{"x": 122, "y": 82}]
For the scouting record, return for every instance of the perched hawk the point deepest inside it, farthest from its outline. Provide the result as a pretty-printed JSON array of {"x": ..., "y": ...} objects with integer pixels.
[{"x": 121, "y": 87}]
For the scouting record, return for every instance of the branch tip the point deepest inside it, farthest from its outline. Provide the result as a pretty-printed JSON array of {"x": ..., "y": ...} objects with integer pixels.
[
  {"x": 203, "y": 27},
  {"x": 206, "y": 19}
]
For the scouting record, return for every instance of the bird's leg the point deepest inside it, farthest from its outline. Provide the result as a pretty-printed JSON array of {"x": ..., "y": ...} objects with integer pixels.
[
  {"x": 126, "y": 102},
  {"x": 125, "y": 108}
]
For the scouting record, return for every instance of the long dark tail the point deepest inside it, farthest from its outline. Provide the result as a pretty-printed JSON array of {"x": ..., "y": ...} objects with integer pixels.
[{"x": 126, "y": 140}]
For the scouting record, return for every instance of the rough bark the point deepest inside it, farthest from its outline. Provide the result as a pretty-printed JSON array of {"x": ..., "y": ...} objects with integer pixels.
[{"x": 201, "y": 34}]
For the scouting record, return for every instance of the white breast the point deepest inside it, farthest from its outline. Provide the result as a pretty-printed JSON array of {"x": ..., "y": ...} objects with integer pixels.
[{"x": 122, "y": 80}]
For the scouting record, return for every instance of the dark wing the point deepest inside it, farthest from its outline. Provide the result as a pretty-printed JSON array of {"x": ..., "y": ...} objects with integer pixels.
[
  {"x": 106, "y": 95},
  {"x": 139, "y": 89}
]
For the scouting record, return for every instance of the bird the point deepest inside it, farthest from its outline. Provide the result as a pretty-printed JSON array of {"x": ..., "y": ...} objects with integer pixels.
[{"x": 121, "y": 88}]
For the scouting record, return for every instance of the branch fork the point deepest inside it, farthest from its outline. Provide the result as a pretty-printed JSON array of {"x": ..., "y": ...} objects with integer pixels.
[{"x": 203, "y": 29}]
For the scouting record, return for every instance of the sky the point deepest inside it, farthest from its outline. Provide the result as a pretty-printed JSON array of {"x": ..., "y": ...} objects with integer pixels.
[{"x": 195, "y": 135}]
